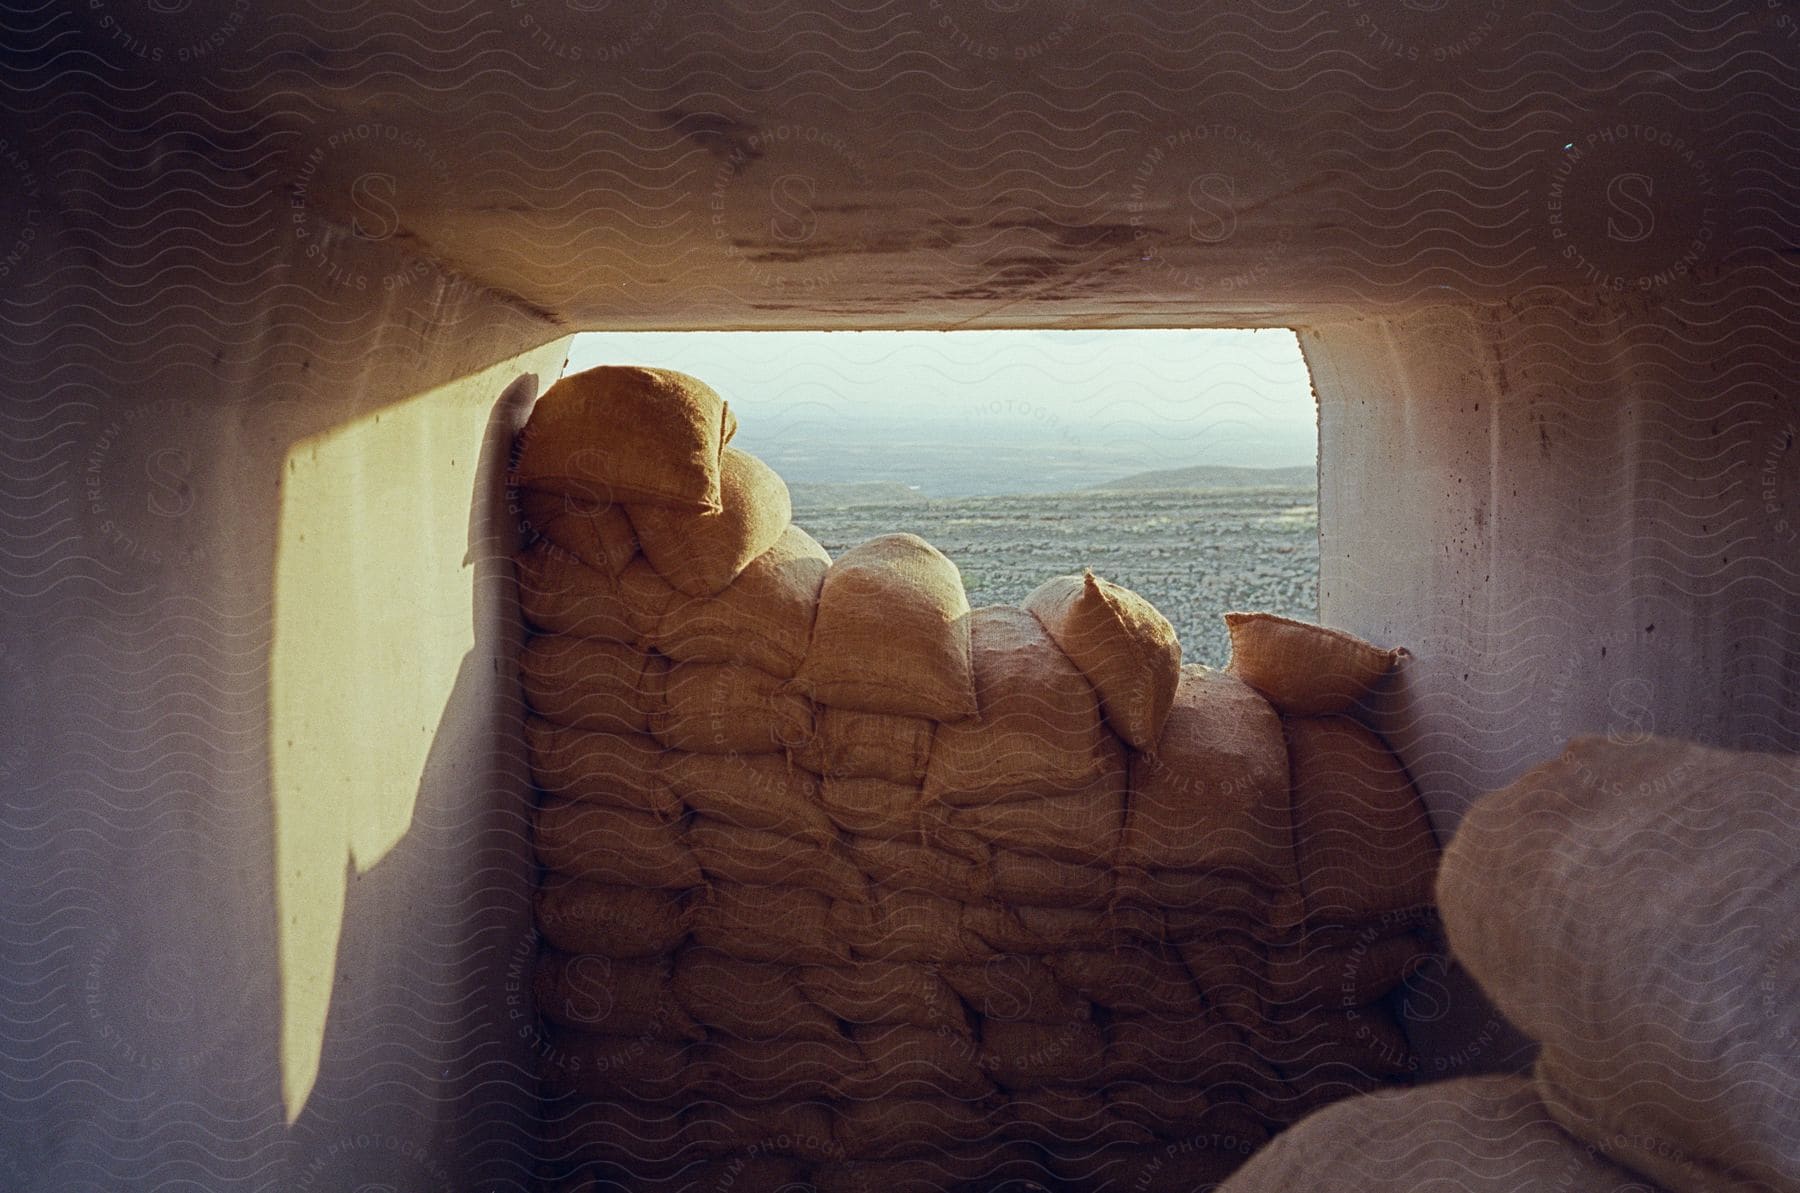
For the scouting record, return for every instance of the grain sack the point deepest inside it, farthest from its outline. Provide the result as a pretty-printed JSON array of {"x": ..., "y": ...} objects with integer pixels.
[
  {"x": 917, "y": 1062},
  {"x": 579, "y": 915},
  {"x": 727, "y": 708},
  {"x": 648, "y": 599},
  {"x": 892, "y": 1128},
  {"x": 884, "y": 811},
  {"x": 1305, "y": 670},
  {"x": 1472, "y": 1135},
  {"x": 622, "y": 769},
  {"x": 981, "y": 1166},
  {"x": 801, "y": 1130},
  {"x": 1069, "y": 1118},
  {"x": 1213, "y": 797},
  {"x": 877, "y": 992},
  {"x": 1021, "y": 876},
  {"x": 610, "y": 997},
  {"x": 1015, "y": 988},
  {"x": 790, "y": 1070},
  {"x": 747, "y": 999},
  {"x": 757, "y": 791},
  {"x": 1125, "y": 647},
  {"x": 558, "y": 594},
  {"x": 1187, "y": 1111},
  {"x": 648, "y": 1140},
  {"x": 588, "y": 683},
  {"x": 598, "y": 535},
  {"x": 763, "y": 619},
  {"x": 907, "y": 866},
  {"x": 626, "y": 434},
  {"x": 1633, "y": 906},
  {"x": 1362, "y": 835},
  {"x": 1083, "y": 828},
  {"x": 892, "y": 633},
  {"x": 1039, "y": 930},
  {"x": 1202, "y": 902},
  {"x": 728, "y": 853},
  {"x": 907, "y": 926},
  {"x": 613, "y": 1068},
  {"x": 699, "y": 554},
  {"x": 612, "y": 845},
  {"x": 1199, "y": 1047},
  {"x": 1037, "y": 731},
  {"x": 780, "y": 924},
  {"x": 1135, "y": 978},
  {"x": 1309, "y": 974},
  {"x": 848, "y": 744},
  {"x": 1023, "y": 1055}
]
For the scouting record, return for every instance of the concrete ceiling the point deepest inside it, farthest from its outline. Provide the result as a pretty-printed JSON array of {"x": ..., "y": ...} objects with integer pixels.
[{"x": 971, "y": 162}]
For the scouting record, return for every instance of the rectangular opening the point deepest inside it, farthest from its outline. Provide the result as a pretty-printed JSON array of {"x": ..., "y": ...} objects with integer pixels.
[{"x": 1181, "y": 464}]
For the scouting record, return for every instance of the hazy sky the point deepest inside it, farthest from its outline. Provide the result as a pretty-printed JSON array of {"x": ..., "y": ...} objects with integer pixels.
[{"x": 994, "y": 411}]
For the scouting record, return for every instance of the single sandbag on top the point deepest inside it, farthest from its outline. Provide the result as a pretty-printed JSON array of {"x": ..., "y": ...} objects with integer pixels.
[
  {"x": 600, "y": 536},
  {"x": 1121, "y": 642},
  {"x": 701, "y": 553},
  {"x": 559, "y": 594},
  {"x": 728, "y": 708},
  {"x": 1213, "y": 795},
  {"x": 1471, "y": 1135},
  {"x": 1634, "y": 908},
  {"x": 1362, "y": 835},
  {"x": 627, "y": 434},
  {"x": 1305, "y": 670},
  {"x": 892, "y": 633},
  {"x": 588, "y": 683},
  {"x": 1037, "y": 730},
  {"x": 764, "y": 618}
]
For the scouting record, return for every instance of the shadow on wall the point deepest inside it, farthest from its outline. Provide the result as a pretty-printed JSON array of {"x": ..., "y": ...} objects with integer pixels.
[{"x": 401, "y": 833}]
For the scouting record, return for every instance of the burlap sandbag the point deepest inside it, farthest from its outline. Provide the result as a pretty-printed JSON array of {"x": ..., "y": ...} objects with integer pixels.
[
  {"x": 1068, "y": 1118},
  {"x": 580, "y": 915},
  {"x": 559, "y": 594},
  {"x": 588, "y": 683},
  {"x": 627, "y": 434},
  {"x": 1473, "y": 1135},
  {"x": 876, "y": 992},
  {"x": 1038, "y": 931},
  {"x": 1305, "y": 670},
  {"x": 612, "y": 997},
  {"x": 914, "y": 866},
  {"x": 728, "y": 708},
  {"x": 1198, "y": 1047},
  {"x": 1306, "y": 973},
  {"x": 754, "y": 791},
  {"x": 1362, "y": 835},
  {"x": 1037, "y": 731},
  {"x": 801, "y": 1130},
  {"x": 754, "y": 857},
  {"x": 1633, "y": 906},
  {"x": 1023, "y": 876},
  {"x": 760, "y": 1070},
  {"x": 598, "y": 535},
  {"x": 909, "y": 1061},
  {"x": 908, "y": 925},
  {"x": 1326, "y": 1053},
  {"x": 619, "y": 1068},
  {"x": 878, "y": 810},
  {"x": 1083, "y": 828},
  {"x": 891, "y": 1128},
  {"x": 1023, "y": 1055},
  {"x": 623, "y": 769},
  {"x": 699, "y": 554},
  {"x": 613, "y": 845},
  {"x": 1213, "y": 797},
  {"x": 648, "y": 599},
  {"x": 892, "y": 633},
  {"x": 1134, "y": 978},
  {"x": 1125, "y": 647},
  {"x": 1201, "y": 902},
  {"x": 747, "y": 999},
  {"x": 778, "y": 924},
  {"x": 762, "y": 619},
  {"x": 851, "y": 744},
  {"x": 1016, "y": 988},
  {"x": 1188, "y": 1111}
]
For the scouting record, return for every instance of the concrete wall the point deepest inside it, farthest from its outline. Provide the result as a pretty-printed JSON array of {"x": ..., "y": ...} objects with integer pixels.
[{"x": 263, "y": 859}]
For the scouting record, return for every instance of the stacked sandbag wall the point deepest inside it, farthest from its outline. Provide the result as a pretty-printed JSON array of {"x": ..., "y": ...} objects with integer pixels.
[{"x": 849, "y": 884}]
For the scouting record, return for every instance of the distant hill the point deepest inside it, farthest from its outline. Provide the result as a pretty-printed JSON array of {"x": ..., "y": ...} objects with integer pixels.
[
  {"x": 851, "y": 493},
  {"x": 1213, "y": 476}
]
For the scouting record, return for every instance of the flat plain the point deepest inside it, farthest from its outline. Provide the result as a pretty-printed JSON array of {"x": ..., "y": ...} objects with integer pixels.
[{"x": 1194, "y": 553}]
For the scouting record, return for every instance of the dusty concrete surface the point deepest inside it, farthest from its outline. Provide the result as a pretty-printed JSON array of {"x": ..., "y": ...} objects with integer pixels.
[{"x": 1543, "y": 263}]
